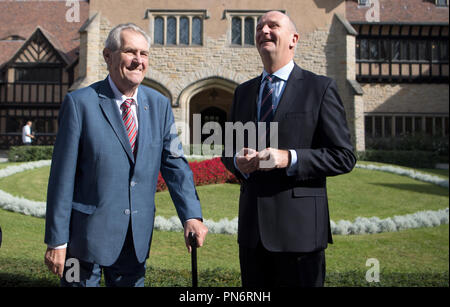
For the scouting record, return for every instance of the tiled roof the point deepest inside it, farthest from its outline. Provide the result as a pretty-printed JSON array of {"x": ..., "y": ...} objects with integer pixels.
[
  {"x": 400, "y": 11},
  {"x": 21, "y": 18}
]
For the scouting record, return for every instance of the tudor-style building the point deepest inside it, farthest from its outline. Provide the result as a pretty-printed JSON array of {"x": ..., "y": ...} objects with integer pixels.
[
  {"x": 35, "y": 81},
  {"x": 38, "y": 64},
  {"x": 388, "y": 57},
  {"x": 402, "y": 66}
]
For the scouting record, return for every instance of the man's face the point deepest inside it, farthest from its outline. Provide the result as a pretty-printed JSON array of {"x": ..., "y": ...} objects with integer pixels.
[
  {"x": 275, "y": 35},
  {"x": 128, "y": 65}
]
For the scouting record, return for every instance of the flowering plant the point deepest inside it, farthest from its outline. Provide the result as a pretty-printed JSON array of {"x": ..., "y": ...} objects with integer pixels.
[{"x": 205, "y": 172}]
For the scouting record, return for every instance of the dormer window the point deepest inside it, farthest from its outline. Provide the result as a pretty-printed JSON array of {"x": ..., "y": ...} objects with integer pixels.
[
  {"x": 441, "y": 2},
  {"x": 363, "y": 2},
  {"x": 13, "y": 38}
]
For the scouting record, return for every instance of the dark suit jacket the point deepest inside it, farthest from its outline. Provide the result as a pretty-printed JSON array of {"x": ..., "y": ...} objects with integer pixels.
[
  {"x": 290, "y": 213},
  {"x": 96, "y": 184}
]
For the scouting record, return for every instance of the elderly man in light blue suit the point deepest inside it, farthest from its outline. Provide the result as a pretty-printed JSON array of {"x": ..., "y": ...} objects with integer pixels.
[{"x": 114, "y": 137}]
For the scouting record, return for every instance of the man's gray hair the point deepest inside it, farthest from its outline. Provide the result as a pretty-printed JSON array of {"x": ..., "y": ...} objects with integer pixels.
[{"x": 113, "y": 42}]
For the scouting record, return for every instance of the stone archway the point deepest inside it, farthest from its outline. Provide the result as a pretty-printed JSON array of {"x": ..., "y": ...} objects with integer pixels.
[
  {"x": 157, "y": 86},
  {"x": 210, "y": 97},
  {"x": 212, "y": 105}
]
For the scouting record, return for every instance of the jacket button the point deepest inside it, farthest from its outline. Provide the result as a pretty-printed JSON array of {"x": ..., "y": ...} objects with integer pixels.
[{"x": 127, "y": 211}]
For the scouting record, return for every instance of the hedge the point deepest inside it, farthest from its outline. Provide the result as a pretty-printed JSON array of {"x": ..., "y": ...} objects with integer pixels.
[
  {"x": 29, "y": 153},
  {"x": 409, "y": 158}
]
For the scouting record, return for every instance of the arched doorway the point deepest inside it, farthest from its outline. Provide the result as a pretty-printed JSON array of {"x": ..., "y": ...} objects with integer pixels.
[
  {"x": 216, "y": 115},
  {"x": 209, "y": 105},
  {"x": 198, "y": 99}
]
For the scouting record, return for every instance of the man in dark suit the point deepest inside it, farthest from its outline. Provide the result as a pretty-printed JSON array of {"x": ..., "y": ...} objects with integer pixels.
[
  {"x": 284, "y": 224},
  {"x": 114, "y": 137}
]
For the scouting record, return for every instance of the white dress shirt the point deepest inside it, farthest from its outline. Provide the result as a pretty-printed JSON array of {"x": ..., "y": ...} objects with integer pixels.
[{"x": 120, "y": 98}]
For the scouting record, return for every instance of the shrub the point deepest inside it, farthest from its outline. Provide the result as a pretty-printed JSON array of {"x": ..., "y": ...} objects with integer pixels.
[
  {"x": 420, "y": 142},
  {"x": 205, "y": 172},
  {"x": 409, "y": 158},
  {"x": 30, "y": 153}
]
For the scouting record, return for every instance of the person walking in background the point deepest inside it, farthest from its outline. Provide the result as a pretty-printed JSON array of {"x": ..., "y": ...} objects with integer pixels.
[
  {"x": 284, "y": 223},
  {"x": 27, "y": 134},
  {"x": 114, "y": 137}
]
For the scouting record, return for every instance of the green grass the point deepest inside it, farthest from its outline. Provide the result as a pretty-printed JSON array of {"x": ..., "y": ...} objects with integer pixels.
[
  {"x": 368, "y": 193},
  {"x": 415, "y": 257},
  {"x": 362, "y": 193},
  {"x": 30, "y": 184},
  {"x": 406, "y": 258},
  {"x": 218, "y": 201}
]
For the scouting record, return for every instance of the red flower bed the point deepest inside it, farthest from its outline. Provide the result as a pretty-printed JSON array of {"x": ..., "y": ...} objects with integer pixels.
[{"x": 205, "y": 172}]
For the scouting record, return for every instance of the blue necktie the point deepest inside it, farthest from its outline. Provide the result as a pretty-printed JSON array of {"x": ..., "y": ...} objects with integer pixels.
[{"x": 266, "y": 109}]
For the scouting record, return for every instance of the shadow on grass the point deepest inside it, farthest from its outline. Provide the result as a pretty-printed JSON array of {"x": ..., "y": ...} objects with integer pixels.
[
  {"x": 418, "y": 188},
  {"x": 387, "y": 279},
  {"x": 22, "y": 280},
  {"x": 228, "y": 278}
]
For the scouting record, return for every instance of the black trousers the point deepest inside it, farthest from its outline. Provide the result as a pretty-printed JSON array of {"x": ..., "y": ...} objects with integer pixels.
[{"x": 262, "y": 268}]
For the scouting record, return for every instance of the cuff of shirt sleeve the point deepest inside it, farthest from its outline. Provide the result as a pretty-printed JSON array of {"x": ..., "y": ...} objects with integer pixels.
[
  {"x": 58, "y": 246},
  {"x": 245, "y": 175},
  {"x": 290, "y": 171}
]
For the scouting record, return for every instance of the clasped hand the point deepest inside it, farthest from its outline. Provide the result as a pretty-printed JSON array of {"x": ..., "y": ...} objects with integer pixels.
[{"x": 249, "y": 160}]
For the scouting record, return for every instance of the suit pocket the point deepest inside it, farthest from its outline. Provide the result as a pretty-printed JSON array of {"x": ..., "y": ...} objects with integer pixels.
[
  {"x": 83, "y": 208},
  {"x": 308, "y": 192}
]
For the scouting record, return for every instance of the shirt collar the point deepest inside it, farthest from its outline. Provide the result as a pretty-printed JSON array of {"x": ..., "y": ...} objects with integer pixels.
[
  {"x": 118, "y": 95},
  {"x": 282, "y": 73}
]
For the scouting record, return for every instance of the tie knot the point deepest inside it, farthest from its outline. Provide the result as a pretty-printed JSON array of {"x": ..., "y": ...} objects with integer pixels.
[
  {"x": 270, "y": 78},
  {"x": 128, "y": 103}
]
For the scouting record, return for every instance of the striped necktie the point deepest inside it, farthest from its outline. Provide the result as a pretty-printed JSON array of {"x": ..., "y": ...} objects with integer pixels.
[
  {"x": 129, "y": 122},
  {"x": 266, "y": 109}
]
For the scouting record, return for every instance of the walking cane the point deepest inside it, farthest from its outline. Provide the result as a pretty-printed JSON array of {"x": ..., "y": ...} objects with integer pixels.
[{"x": 193, "y": 243}]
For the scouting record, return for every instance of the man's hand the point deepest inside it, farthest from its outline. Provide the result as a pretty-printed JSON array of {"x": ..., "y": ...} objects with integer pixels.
[
  {"x": 247, "y": 160},
  {"x": 199, "y": 230},
  {"x": 271, "y": 158},
  {"x": 55, "y": 260}
]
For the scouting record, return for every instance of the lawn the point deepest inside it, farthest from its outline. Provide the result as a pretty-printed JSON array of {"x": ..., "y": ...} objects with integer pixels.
[
  {"x": 414, "y": 257},
  {"x": 362, "y": 193}
]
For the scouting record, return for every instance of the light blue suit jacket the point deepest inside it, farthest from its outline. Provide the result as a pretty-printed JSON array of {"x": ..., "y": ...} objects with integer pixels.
[{"x": 96, "y": 185}]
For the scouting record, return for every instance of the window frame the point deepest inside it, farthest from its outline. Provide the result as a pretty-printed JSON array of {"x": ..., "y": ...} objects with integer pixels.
[
  {"x": 243, "y": 15},
  {"x": 436, "y": 2},
  {"x": 412, "y": 66},
  {"x": 202, "y": 15},
  {"x": 401, "y": 124},
  {"x": 365, "y": 4},
  {"x": 38, "y": 67}
]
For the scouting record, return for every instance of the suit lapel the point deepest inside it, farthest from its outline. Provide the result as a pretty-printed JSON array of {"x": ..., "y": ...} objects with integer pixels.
[
  {"x": 112, "y": 114},
  {"x": 290, "y": 93},
  {"x": 250, "y": 104},
  {"x": 143, "y": 120}
]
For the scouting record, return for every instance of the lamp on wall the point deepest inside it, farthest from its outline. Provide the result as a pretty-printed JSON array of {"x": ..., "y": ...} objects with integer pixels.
[{"x": 213, "y": 95}]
